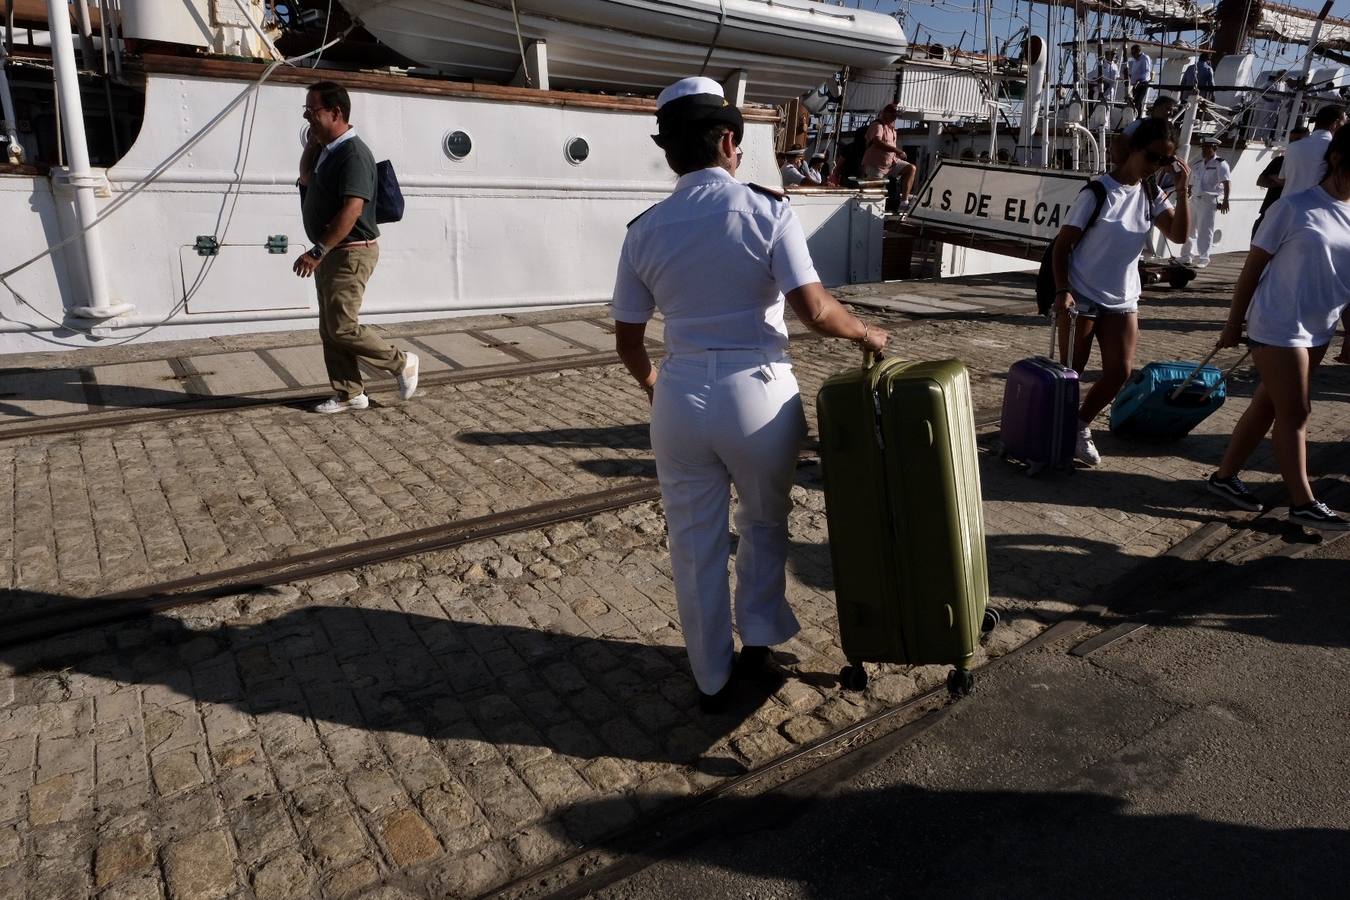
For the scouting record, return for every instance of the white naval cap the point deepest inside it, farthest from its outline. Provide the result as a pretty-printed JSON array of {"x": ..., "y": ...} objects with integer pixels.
[
  {"x": 690, "y": 87},
  {"x": 694, "y": 102}
]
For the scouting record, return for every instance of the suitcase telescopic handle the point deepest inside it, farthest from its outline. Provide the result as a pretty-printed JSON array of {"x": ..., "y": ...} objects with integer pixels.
[
  {"x": 1054, "y": 330},
  {"x": 1176, "y": 392}
]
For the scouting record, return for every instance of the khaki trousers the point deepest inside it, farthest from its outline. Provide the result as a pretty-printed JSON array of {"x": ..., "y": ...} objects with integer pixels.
[{"x": 341, "y": 282}]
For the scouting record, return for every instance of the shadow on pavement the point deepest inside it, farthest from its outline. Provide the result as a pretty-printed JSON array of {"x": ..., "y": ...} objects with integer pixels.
[
  {"x": 448, "y": 680},
  {"x": 618, "y": 437},
  {"x": 912, "y": 842}
]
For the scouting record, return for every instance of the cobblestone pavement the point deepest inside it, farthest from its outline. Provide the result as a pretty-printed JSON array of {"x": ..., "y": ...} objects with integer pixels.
[{"x": 438, "y": 725}]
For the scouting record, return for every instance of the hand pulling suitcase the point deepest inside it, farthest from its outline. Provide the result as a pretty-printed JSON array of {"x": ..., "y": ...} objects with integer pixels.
[
  {"x": 1040, "y": 412},
  {"x": 902, "y": 501},
  {"x": 1168, "y": 399}
]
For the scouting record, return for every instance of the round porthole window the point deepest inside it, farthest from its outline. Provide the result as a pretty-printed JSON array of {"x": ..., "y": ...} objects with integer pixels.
[
  {"x": 577, "y": 151},
  {"x": 457, "y": 145}
]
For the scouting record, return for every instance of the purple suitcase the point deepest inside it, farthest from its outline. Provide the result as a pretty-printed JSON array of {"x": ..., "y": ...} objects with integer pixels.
[{"x": 1040, "y": 412}]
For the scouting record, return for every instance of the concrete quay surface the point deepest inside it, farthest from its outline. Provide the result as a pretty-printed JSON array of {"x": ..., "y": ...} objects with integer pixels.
[{"x": 443, "y": 724}]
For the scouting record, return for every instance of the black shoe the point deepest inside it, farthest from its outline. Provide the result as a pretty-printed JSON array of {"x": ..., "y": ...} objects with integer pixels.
[
  {"x": 1234, "y": 491},
  {"x": 715, "y": 704},
  {"x": 752, "y": 660},
  {"x": 1317, "y": 515}
]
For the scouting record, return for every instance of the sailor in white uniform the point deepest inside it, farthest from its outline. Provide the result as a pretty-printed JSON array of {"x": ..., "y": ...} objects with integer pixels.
[
  {"x": 716, "y": 258},
  {"x": 1213, "y": 181}
]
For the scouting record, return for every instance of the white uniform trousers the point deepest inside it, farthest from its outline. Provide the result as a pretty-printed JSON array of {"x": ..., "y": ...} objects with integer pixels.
[
  {"x": 1203, "y": 209},
  {"x": 719, "y": 418}
]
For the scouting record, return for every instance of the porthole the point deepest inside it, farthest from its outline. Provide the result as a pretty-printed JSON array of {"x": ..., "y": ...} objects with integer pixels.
[
  {"x": 577, "y": 151},
  {"x": 457, "y": 145}
]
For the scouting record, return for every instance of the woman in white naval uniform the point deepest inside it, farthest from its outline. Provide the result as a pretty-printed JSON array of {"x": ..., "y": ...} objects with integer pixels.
[{"x": 716, "y": 258}]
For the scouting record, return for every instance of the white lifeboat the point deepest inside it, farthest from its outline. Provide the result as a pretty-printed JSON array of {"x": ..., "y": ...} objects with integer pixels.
[{"x": 786, "y": 46}]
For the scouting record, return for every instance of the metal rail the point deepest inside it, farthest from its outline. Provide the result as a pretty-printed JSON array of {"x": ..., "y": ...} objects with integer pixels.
[
  {"x": 209, "y": 586},
  {"x": 271, "y": 573},
  {"x": 74, "y": 422}
]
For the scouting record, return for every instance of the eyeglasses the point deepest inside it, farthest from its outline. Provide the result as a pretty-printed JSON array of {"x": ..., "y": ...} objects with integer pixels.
[
  {"x": 1159, "y": 159},
  {"x": 308, "y": 108},
  {"x": 740, "y": 154}
]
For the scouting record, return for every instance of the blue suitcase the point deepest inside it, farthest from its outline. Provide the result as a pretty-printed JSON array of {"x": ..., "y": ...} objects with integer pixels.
[{"x": 1168, "y": 399}]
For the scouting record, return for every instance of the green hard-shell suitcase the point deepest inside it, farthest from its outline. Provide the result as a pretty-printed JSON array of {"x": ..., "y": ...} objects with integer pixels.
[{"x": 902, "y": 499}]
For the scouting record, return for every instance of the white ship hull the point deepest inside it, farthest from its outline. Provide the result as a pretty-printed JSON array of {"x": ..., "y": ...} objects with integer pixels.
[
  {"x": 786, "y": 46},
  {"x": 513, "y": 225}
]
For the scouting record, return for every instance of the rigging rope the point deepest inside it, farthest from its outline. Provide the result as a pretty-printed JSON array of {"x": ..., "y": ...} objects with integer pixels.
[
  {"x": 520, "y": 42},
  {"x": 721, "y": 18}
]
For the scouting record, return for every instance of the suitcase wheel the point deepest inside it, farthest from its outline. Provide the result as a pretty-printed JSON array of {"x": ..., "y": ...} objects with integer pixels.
[
  {"x": 853, "y": 677},
  {"x": 991, "y": 620},
  {"x": 960, "y": 683}
]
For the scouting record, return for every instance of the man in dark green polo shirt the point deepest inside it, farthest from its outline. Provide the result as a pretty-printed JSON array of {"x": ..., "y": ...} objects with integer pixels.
[{"x": 337, "y": 180}]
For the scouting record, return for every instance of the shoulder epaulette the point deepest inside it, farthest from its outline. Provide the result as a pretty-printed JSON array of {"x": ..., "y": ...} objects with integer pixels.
[
  {"x": 768, "y": 191},
  {"x": 640, "y": 215}
]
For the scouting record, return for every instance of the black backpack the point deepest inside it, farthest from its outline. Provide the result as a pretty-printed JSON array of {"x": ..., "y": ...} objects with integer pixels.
[{"x": 852, "y": 155}]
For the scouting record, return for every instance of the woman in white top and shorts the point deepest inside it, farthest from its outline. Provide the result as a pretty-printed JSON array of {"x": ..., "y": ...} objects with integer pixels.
[
  {"x": 1292, "y": 291},
  {"x": 1097, "y": 271},
  {"x": 716, "y": 258}
]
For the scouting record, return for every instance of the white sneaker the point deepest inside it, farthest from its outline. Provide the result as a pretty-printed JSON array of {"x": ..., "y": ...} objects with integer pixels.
[
  {"x": 1086, "y": 451},
  {"x": 336, "y": 404},
  {"x": 407, "y": 379}
]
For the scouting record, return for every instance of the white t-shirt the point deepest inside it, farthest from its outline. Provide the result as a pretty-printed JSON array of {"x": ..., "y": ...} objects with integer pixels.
[
  {"x": 1306, "y": 286},
  {"x": 1305, "y": 162},
  {"x": 716, "y": 258},
  {"x": 1103, "y": 267}
]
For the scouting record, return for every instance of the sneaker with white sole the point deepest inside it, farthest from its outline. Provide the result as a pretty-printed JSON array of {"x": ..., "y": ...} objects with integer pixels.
[
  {"x": 1318, "y": 515},
  {"x": 335, "y": 404},
  {"x": 1235, "y": 491},
  {"x": 1086, "y": 451},
  {"x": 407, "y": 379}
]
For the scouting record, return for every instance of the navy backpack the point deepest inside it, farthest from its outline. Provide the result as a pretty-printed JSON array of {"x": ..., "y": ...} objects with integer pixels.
[{"x": 388, "y": 195}]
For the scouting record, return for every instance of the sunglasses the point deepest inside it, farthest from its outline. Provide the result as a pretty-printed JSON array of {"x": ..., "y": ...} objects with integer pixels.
[{"x": 1159, "y": 159}]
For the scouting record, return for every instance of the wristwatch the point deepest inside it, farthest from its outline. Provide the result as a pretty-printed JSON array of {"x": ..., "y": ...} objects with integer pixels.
[{"x": 317, "y": 251}]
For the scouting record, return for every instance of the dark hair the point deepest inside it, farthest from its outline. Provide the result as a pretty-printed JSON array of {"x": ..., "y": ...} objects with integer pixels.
[
  {"x": 1328, "y": 116},
  {"x": 334, "y": 96},
  {"x": 1148, "y": 131},
  {"x": 1340, "y": 143},
  {"x": 695, "y": 148},
  {"x": 1297, "y": 129}
]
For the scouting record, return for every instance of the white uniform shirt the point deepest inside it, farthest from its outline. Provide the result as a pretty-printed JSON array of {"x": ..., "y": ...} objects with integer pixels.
[
  {"x": 1106, "y": 74},
  {"x": 716, "y": 258},
  {"x": 1213, "y": 173},
  {"x": 1141, "y": 69},
  {"x": 1305, "y": 162},
  {"x": 1306, "y": 285},
  {"x": 792, "y": 176},
  {"x": 1103, "y": 267}
]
